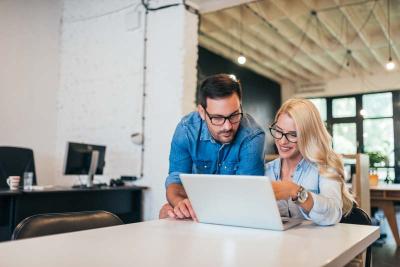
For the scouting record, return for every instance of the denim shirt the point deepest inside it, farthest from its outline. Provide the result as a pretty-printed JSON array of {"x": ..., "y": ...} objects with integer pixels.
[
  {"x": 326, "y": 193},
  {"x": 194, "y": 150}
]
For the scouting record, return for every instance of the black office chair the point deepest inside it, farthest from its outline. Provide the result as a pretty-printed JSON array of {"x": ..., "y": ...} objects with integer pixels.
[
  {"x": 16, "y": 161},
  {"x": 358, "y": 216},
  {"x": 58, "y": 223}
]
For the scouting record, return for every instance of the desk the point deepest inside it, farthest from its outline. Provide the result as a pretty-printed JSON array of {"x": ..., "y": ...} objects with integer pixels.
[
  {"x": 383, "y": 196},
  {"x": 172, "y": 243},
  {"x": 15, "y": 206}
]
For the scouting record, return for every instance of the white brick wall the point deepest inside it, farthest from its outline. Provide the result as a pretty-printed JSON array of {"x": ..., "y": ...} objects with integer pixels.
[
  {"x": 101, "y": 79},
  {"x": 101, "y": 87},
  {"x": 72, "y": 71},
  {"x": 171, "y": 84}
]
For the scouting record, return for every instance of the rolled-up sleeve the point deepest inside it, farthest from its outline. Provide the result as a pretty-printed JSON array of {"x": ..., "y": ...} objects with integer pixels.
[
  {"x": 327, "y": 208},
  {"x": 180, "y": 160}
]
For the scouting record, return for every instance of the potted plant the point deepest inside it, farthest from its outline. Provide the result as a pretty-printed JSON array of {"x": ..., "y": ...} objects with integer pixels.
[{"x": 376, "y": 159}]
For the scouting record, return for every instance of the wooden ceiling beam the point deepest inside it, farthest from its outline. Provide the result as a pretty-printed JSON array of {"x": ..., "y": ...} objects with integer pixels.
[
  {"x": 281, "y": 43},
  {"x": 356, "y": 22},
  {"x": 381, "y": 18},
  {"x": 306, "y": 50},
  {"x": 232, "y": 43},
  {"x": 311, "y": 32},
  {"x": 332, "y": 27},
  {"x": 220, "y": 49},
  {"x": 250, "y": 39}
]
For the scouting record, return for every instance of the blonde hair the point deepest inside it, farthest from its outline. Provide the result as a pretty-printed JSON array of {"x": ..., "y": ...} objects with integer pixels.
[{"x": 315, "y": 143}]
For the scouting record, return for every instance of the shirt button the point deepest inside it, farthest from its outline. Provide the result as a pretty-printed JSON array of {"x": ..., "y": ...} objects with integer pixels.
[
  {"x": 205, "y": 166},
  {"x": 225, "y": 167}
]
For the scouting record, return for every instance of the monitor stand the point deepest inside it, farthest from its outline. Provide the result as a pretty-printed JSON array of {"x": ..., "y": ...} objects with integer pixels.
[
  {"x": 92, "y": 171},
  {"x": 93, "y": 167}
]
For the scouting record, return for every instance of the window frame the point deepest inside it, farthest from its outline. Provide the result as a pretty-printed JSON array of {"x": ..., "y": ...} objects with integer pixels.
[{"x": 358, "y": 120}]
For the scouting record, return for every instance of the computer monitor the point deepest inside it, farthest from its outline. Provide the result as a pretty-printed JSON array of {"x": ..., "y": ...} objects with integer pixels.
[{"x": 84, "y": 159}]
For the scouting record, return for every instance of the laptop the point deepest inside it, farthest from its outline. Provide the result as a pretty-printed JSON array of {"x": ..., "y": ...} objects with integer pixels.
[{"x": 235, "y": 200}]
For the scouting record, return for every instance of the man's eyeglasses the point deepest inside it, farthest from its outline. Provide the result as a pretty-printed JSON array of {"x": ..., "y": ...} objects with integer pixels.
[
  {"x": 277, "y": 134},
  {"x": 219, "y": 120}
]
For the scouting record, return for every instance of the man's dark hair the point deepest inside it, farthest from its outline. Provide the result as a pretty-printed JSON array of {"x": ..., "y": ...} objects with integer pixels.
[{"x": 218, "y": 86}]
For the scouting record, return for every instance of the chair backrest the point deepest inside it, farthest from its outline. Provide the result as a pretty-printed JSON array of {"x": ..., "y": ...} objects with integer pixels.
[
  {"x": 359, "y": 216},
  {"x": 57, "y": 223},
  {"x": 16, "y": 161}
]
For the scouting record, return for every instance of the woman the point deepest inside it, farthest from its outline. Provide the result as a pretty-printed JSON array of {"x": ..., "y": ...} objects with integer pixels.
[{"x": 308, "y": 176}]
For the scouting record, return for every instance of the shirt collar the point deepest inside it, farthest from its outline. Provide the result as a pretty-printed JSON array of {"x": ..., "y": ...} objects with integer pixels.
[
  {"x": 303, "y": 163},
  {"x": 205, "y": 134}
]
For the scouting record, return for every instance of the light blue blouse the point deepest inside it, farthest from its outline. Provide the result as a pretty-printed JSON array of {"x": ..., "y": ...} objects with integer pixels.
[{"x": 326, "y": 193}]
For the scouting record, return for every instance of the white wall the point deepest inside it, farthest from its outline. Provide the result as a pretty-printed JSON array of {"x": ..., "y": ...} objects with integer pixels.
[
  {"x": 73, "y": 71},
  {"x": 29, "y": 76},
  {"x": 100, "y": 96},
  {"x": 171, "y": 86}
]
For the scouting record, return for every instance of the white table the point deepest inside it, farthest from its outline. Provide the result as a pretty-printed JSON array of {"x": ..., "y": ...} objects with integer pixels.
[{"x": 186, "y": 243}]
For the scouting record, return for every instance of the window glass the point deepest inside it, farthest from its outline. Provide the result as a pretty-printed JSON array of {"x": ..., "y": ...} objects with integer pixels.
[
  {"x": 320, "y": 103},
  {"x": 345, "y": 138},
  {"x": 386, "y": 172},
  {"x": 377, "y": 105},
  {"x": 379, "y": 137},
  {"x": 344, "y": 107}
]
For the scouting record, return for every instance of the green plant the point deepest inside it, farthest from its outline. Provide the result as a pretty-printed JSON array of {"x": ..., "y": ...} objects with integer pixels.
[{"x": 376, "y": 159}]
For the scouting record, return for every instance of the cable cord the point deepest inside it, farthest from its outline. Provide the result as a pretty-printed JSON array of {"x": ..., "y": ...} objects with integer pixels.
[{"x": 148, "y": 8}]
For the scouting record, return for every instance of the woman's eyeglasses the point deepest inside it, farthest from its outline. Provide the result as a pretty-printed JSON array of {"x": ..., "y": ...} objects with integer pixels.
[{"x": 277, "y": 134}]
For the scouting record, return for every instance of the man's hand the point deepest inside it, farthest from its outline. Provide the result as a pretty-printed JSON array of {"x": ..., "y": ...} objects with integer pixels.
[
  {"x": 166, "y": 211},
  {"x": 177, "y": 197},
  {"x": 184, "y": 210}
]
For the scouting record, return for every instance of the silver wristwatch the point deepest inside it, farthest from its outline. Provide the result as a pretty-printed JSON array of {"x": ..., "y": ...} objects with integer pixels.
[{"x": 302, "y": 195}]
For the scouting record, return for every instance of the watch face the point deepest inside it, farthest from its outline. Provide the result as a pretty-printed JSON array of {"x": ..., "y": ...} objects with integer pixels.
[{"x": 303, "y": 195}]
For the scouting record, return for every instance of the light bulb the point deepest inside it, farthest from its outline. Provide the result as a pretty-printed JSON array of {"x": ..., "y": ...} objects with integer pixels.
[
  {"x": 233, "y": 77},
  {"x": 390, "y": 65},
  {"x": 241, "y": 59}
]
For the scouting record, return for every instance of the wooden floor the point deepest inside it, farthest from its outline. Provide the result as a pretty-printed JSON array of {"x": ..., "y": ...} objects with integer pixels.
[{"x": 384, "y": 252}]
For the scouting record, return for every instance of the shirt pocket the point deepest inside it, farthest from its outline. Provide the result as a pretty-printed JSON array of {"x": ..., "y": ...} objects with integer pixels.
[
  {"x": 229, "y": 167},
  {"x": 202, "y": 166}
]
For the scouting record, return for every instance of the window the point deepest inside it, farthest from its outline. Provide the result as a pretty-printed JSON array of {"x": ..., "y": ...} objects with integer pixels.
[
  {"x": 320, "y": 103},
  {"x": 345, "y": 138},
  {"x": 378, "y": 132},
  {"x": 364, "y": 123},
  {"x": 344, "y": 107},
  {"x": 377, "y": 105}
]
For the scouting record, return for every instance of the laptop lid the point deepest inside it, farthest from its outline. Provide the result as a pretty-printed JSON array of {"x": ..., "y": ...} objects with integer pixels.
[{"x": 236, "y": 200}]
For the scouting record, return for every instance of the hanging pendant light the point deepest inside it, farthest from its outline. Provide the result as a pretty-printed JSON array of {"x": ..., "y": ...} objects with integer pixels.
[
  {"x": 390, "y": 65},
  {"x": 241, "y": 58}
]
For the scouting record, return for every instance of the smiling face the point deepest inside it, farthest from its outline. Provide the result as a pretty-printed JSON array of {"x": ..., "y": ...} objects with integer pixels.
[
  {"x": 287, "y": 150},
  {"x": 222, "y": 107}
]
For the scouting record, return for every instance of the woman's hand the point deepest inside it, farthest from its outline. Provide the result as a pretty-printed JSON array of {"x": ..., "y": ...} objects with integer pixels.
[{"x": 285, "y": 189}]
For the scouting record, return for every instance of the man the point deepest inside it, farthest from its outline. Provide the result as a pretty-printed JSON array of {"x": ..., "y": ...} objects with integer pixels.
[{"x": 217, "y": 139}]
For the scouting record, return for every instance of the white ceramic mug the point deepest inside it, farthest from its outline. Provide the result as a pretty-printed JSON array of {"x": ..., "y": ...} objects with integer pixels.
[{"x": 13, "y": 182}]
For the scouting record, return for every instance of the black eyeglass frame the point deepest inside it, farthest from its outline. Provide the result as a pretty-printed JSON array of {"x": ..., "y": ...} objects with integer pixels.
[
  {"x": 225, "y": 117},
  {"x": 271, "y": 128}
]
